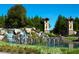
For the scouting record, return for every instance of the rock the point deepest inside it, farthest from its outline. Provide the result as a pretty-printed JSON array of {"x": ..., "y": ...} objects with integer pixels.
[
  {"x": 1, "y": 37},
  {"x": 28, "y": 30},
  {"x": 17, "y": 30},
  {"x": 3, "y": 31}
]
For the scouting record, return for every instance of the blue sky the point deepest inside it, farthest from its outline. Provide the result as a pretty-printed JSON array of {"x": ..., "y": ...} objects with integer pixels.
[{"x": 50, "y": 11}]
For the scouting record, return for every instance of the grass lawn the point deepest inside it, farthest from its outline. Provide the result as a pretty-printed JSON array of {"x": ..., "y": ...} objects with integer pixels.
[
  {"x": 71, "y": 38},
  {"x": 35, "y": 49}
]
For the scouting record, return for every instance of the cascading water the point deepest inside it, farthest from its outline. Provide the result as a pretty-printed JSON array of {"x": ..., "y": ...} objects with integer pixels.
[
  {"x": 20, "y": 37},
  {"x": 10, "y": 36}
]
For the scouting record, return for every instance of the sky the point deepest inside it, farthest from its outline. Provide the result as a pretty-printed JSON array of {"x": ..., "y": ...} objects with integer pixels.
[{"x": 51, "y": 11}]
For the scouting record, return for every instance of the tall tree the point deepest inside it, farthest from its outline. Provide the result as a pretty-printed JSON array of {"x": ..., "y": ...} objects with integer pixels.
[
  {"x": 60, "y": 26},
  {"x": 38, "y": 23},
  {"x": 76, "y": 24},
  {"x": 2, "y": 21},
  {"x": 16, "y": 17}
]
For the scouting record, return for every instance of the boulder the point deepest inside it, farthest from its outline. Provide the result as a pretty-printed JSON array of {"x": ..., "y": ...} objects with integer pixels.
[
  {"x": 3, "y": 31},
  {"x": 17, "y": 30},
  {"x": 1, "y": 37},
  {"x": 28, "y": 30}
]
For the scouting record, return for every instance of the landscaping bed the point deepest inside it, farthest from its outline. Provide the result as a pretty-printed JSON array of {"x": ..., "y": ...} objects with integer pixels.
[
  {"x": 34, "y": 49},
  {"x": 16, "y": 48}
]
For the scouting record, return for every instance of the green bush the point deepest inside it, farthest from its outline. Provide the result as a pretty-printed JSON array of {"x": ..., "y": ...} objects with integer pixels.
[
  {"x": 71, "y": 35},
  {"x": 51, "y": 34},
  {"x": 70, "y": 51},
  {"x": 71, "y": 38},
  {"x": 38, "y": 40}
]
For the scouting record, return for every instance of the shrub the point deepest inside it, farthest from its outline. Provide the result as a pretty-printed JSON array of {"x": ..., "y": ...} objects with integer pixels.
[
  {"x": 51, "y": 34},
  {"x": 70, "y": 38}
]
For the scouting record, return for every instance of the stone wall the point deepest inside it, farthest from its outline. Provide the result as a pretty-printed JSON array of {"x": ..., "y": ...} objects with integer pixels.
[{"x": 71, "y": 32}]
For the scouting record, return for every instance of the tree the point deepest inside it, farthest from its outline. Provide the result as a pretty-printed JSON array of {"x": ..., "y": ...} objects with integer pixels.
[
  {"x": 29, "y": 22},
  {"x": 38, "y": 23},
  {"x": 60, "y": 26},
  {"x": 16, "y": 17},
  {"x": 2, "y": 20},
  {"x": 76, "y": 24}
]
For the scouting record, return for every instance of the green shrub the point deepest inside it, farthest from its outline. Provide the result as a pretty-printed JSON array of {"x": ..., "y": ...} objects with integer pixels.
[
  {"x": 70, "y": 51},
  {"x": 51, "y": 34},
  {"x": 71, "y": 38},
  {"x": 73, "y": 35}
]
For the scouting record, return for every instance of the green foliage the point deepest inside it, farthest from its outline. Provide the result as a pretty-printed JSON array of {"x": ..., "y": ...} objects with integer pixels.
[
  {"x": 2, "y": 21},
  {"x": 34, "y": 35},
  {"x": 36, "y": 22},
  {"x": 15, "y": 48},
  {"x": 60, "y": 26},
  {"x": 76, "y": 24},
  {"x": 17, "y": 11},
  {"x": 70, "y": 51},
  {"x": 38, "y": 40},
  {"x": 71, "y": 35},
  {"x": 28, "y": 49},
  {"x": 71, "y": 38},
  {"x": 35, "y": 49},
  {"x": 16, "y": 17},
  {"x": 51, "y": 34}
]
